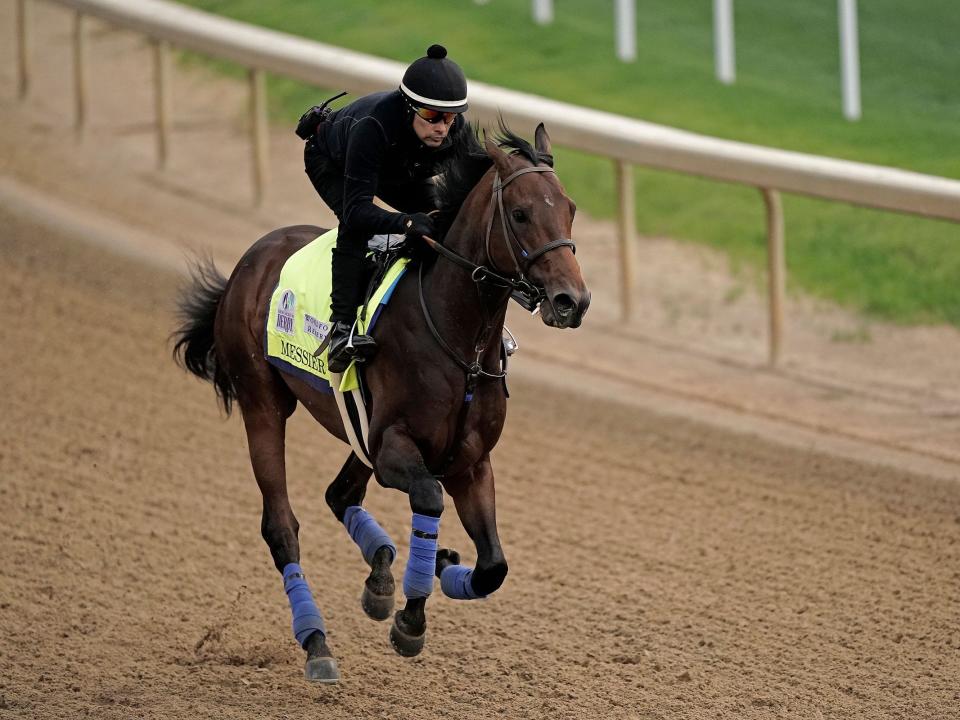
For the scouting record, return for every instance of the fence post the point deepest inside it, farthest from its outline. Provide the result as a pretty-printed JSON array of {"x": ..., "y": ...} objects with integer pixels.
[
  {"x": 849, "y": 58},
  {"x": 23, "y": 48},
  {"x": 627, "y": 232},
  {"x": 543, "y": 12},
  {"x": 777, "y": 263},
  {"x": 258, "y": 128},
  {"x": 79, "y": 73},
  {"x": 626, "y": 29},
  {"x": 161, "y": 87},
  {"x": 723, "y": 42}
]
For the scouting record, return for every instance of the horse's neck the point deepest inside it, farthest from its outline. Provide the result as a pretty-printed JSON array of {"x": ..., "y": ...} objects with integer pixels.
[
  {"x": 472, "y": 312},
  {"x": 467, "y": 233}
]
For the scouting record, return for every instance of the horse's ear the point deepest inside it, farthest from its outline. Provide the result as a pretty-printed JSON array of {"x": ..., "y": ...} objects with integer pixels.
[
  {"x": 499, "y": 157},
  {"x": 542, "y": 140}
]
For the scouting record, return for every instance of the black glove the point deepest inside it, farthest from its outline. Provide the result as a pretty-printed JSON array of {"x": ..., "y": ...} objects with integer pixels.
[{"x": 418, "y": 225}]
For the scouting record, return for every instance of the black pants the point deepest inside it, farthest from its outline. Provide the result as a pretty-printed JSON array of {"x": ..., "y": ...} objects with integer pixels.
[{"x": 351, "y": 248}]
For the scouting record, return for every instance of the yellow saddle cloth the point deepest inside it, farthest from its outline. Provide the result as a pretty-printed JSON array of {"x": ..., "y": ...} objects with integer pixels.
[{"x": 299, "y": 317}]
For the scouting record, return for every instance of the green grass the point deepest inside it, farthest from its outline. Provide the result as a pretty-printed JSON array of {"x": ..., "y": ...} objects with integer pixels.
[{"x": 787, "y": 95}]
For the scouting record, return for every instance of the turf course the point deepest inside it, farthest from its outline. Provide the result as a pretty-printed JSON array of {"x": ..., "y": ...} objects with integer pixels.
[{"x": 787, "y": 95}]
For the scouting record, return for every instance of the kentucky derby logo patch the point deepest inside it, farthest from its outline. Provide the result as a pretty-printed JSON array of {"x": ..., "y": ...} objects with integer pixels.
[{"x": 288, "y": 303}]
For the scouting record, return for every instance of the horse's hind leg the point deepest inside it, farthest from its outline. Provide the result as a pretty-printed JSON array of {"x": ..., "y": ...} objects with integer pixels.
[
  {"x": 265, "y": 421},
  {"x": 474, "y": 497},
  {"x": 345, "y": 497}
]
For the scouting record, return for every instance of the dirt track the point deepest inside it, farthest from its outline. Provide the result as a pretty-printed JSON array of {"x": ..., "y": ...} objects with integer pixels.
[{"x": 659, "y": 568}]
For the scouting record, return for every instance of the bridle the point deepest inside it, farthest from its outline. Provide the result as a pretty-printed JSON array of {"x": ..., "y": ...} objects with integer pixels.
[
  {"x": 522, "y": 290},
  {"x": 530, "y": 296},
  {"x": 508, "y": 234}
]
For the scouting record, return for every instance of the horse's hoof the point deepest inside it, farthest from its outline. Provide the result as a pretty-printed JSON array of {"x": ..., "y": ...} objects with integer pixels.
[
  {"x": 376, "y": 606},
  {"x": 405, "y": 644},
  {"x": 321, "y": 670},
  {"x": 445, "y": 558}
]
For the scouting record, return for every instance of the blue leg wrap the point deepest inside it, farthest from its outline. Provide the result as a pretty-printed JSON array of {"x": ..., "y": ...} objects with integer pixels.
[
  {"x": 366, "y": 533},
  {"x": 422, "y": 563},
  {"x": 455, "y": 583},
  {"x": 306, "y": 614}
]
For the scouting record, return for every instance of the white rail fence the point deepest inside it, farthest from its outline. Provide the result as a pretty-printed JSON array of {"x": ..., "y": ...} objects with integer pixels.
[{"x": 625, "y": 141}]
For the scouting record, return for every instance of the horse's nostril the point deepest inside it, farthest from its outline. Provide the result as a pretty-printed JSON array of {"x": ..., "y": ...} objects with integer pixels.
[{"x": 564, "y": 304}]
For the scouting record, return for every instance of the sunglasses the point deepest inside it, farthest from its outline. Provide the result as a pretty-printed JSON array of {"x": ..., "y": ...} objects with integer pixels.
[{"x": 434, "y": 116}]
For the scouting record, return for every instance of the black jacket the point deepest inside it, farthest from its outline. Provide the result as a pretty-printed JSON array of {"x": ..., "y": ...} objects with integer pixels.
[{"x": 373, "y": 142}]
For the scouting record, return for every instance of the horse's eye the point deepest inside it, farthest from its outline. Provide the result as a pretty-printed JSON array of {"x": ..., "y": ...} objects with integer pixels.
[{"x": 519, "y": 215}]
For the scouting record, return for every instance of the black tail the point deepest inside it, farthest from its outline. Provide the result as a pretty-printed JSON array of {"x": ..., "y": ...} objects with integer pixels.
[{"x": 194, "y": 349}]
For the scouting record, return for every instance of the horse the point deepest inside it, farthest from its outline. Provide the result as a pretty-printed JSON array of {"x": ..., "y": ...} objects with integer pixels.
[{"x": 436, "y": 394}]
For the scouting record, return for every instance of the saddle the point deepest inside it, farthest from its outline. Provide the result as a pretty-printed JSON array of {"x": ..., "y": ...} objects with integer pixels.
[{"x": 298, "y": 320}]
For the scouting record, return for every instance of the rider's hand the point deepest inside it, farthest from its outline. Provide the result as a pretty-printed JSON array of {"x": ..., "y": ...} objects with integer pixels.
[{"x": 418, "y": 225}]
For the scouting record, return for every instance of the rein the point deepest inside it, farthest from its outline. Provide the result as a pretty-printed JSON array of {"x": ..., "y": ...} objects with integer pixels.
[{"x": 525, "y": 292}]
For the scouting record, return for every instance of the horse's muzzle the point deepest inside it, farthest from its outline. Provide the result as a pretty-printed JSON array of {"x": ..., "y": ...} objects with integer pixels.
[{"x": 565, "y": 309}]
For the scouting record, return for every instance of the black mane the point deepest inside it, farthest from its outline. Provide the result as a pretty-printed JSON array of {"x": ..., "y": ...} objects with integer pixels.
[
  {"x": 457, "y": 176},
  {"x": 460, "y": 172}
]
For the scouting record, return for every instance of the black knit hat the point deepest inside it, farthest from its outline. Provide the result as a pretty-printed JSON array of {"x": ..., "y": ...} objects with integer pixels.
[{"x": 435, "y": 82}]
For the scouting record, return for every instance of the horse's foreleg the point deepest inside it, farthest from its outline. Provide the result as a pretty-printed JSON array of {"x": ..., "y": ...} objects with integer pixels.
[
  {"x": 475, "y": 500},
  {"x": 400, "y": 465},
  {"x": 344, "y": 496},
  {"x": 279, "y": 527}
]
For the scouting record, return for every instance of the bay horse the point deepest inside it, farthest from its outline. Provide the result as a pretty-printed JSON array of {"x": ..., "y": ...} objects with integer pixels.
[{"x": 437, "y": 401}]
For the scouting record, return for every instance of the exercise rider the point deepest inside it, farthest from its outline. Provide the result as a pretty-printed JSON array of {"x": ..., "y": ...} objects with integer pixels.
[{"x": 388, "y": 145}]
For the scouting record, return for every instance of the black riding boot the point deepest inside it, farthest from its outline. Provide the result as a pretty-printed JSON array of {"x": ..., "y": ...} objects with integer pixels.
[{"x": 346, "y": 296}]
